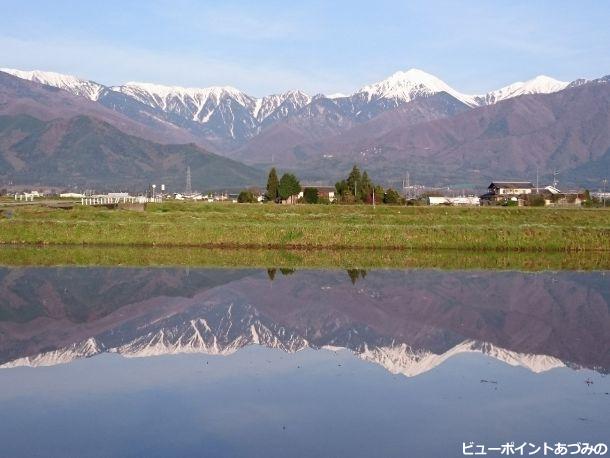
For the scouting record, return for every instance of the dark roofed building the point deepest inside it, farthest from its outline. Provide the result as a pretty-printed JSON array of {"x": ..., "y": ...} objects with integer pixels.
[
  {"x": 504, "y": 191},
  {"x": 513, "y": 188}
]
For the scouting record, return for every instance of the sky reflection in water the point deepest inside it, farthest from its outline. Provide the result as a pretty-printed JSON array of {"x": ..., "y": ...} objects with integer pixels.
[{"x": 175, "y": 362}]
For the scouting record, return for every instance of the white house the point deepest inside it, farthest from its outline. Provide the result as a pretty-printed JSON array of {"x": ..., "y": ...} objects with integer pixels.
[
  {"x": 437, "y": 200},
  {"x": 463, "y": 200}
]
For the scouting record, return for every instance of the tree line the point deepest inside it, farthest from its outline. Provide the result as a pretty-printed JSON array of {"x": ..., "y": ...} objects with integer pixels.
[
  {"x": 353, "y": 274},
  {"x": 356, "y": 188},
  {"x": 277, "y": 190}
]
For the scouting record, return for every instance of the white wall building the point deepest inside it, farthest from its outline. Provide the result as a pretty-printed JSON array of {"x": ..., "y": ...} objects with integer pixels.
[{"x": 463, "y": 200}]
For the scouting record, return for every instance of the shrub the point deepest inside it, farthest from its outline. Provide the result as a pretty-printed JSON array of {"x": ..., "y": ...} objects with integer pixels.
[
  {"x": 535, "y": 200},
  {"x": 391, "y": 197},
  {"x": 310, "y": 195},
  {"x": 246, "y": 197}
]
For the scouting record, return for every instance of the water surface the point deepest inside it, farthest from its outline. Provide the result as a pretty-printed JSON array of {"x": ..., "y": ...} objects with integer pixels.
[{"x": 277, "y": 362}]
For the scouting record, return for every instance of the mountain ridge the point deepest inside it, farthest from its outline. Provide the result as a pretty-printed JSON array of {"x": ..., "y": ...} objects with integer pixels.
[
  {"x": 320, "y": 138},
  {"x": 398, "y": 85},
  {"x": 407, "y": 323},
  {"x": 228, "y": 117}
]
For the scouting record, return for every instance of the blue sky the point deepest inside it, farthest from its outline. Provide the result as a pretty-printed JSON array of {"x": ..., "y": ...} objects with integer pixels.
[{"x": 320, "y": 46}]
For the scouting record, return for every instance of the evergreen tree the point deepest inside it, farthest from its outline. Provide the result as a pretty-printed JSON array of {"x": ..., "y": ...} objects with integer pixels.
[
  {"x": 365, "y": 188},
  {"x": 342, "y": 189},
  {"x": 354, "y": 181},
  {"x": 289, "y": 186},
  {"x": 272, "y": 186}
]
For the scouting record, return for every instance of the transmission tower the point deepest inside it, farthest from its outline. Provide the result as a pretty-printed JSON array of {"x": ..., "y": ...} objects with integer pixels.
[{"x": 189, "y": 190}]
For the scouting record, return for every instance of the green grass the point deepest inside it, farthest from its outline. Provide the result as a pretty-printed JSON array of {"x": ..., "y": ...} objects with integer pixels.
[
  {"x": 314, "y": 227},
  {"x": 299, "y": 259}
]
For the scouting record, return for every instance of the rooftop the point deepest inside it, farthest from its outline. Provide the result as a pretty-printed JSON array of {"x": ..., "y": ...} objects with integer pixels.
[{"x": 511, "y": 184}]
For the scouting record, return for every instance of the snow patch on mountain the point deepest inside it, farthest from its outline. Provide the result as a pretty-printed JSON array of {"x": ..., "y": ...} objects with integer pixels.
[
  {"x": 72, "y": 84},
  {"x": 539, "y": 85},
  {"x": 196, "y": 103},
  {"x": 228, "y": 117},
  {"x": 85, "y": 349},
  {"x": 200, "y": 337},
  {"x": 402, "y": 359},
  {"x": 408, "y": 85},
  {"x": 336, "y": 95},
  {"x": 280, "y": 106},
  {"x": 199, "y": 103},
  {"x": 164, "y": 95}
]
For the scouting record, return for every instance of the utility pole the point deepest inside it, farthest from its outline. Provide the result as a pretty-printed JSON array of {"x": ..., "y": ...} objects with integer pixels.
[
  {"x": 537, "y": 187},
  {"x": 555, "y": 181},
  {"x": 189, "y": 190},
  {"x": 605, "y": 183},
  {"x": 374, "y": 197},
  {"x": 406, "y": 188}
]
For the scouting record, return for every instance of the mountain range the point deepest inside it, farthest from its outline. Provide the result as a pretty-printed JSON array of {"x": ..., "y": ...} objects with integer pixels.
[
  {"x": 52, "y": 137},
  {"x": 411, "y": 121},
  {"x": 408, "y": 322}
]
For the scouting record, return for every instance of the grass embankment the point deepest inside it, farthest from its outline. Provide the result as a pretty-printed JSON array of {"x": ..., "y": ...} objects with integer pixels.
[
  {"x": 301, "y": 259},
  {"x": 313, "y": 226}
]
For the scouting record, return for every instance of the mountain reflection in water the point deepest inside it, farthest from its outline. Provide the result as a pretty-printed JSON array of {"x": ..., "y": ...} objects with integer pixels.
[{"x": 409, "y": 322}]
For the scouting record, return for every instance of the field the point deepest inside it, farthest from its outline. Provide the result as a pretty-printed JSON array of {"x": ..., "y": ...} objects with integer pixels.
[{"x": 176, "y": 224}]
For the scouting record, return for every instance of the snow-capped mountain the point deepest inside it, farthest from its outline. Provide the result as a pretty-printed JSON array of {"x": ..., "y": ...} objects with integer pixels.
[
  {"x": 72, "y": 84},
  {"x": 409, "y": 323},
  {"x": 227, "y": 118},
  {"x": 403, "y": 87},
  {"x": 223, "y": 115},
  {"x": 401, "y": 359},
  {"x": 85, "y": 349},
  {"x": 538, "y": 85},
  {"x": 279, "y": 106},
  {"x": 225, "y": 111},
  {"x": 193, "y": 103},
  {"x": 199, "y": 336},
  {"x": 225, "y": 334}
]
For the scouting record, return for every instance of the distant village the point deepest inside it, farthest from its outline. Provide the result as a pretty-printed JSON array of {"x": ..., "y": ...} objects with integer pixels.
[{"x": 357, "y": 188}]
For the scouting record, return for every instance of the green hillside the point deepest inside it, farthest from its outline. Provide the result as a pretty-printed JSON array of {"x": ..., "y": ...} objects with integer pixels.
[{"x": 83, "y": 151}]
